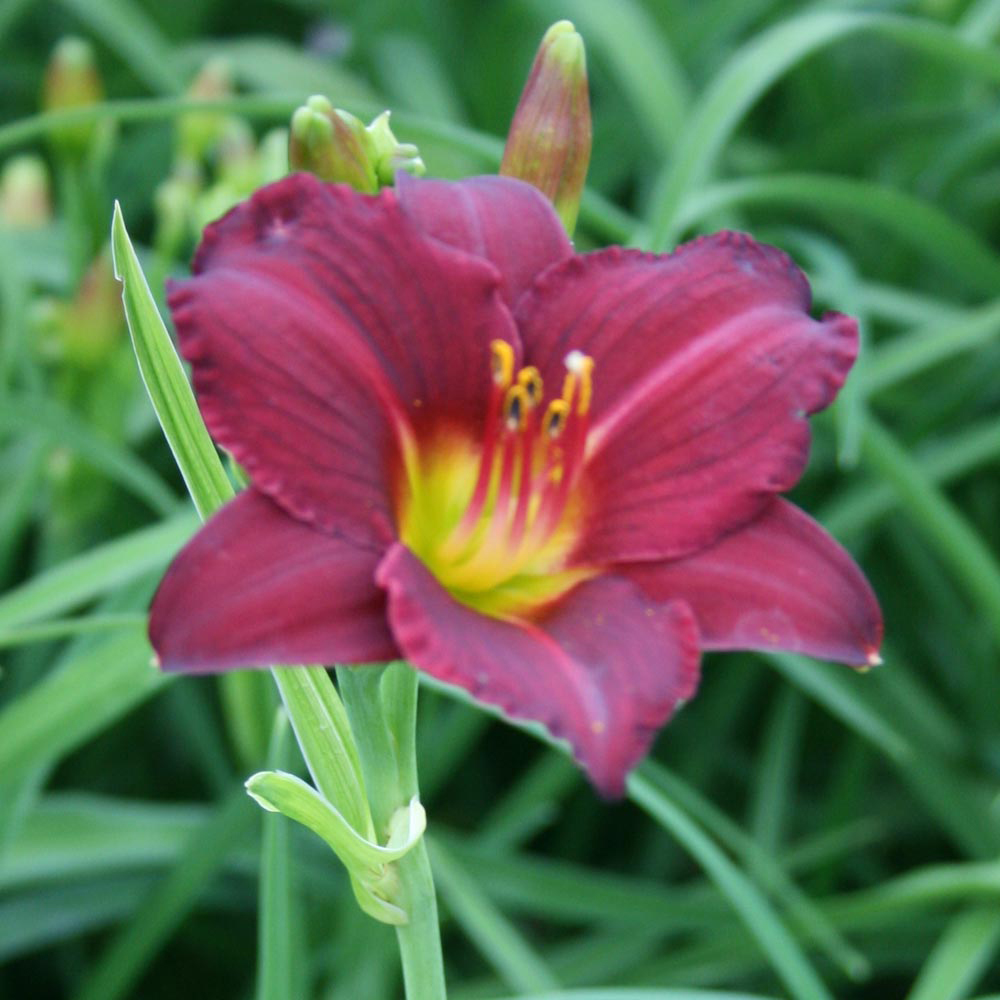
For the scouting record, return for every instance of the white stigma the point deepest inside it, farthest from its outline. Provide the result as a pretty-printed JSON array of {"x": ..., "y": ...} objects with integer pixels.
[{"x": 575, "y": 362}]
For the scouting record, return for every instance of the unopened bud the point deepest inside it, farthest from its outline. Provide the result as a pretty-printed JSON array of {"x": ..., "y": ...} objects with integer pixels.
[
  {"x": 236, "y": 150},
  {"x": 198, "y": 131},
  {"x": 338, "y": 147},
  {"x": 25, "y": 201},
  {"x": 84, "y": 331},
  {"x": 174, "y": 201},
  {"x": 72, "y": 81},
  {"x": 331, "y": 144},
  {"x": 549, "y": 140}
]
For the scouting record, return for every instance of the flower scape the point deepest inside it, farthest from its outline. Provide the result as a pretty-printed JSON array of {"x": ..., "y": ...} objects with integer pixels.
[{"x": 549, "y": 478}]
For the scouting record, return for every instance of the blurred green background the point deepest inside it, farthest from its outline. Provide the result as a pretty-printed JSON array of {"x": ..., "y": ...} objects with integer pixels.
[{"x": 808, "y": 832}]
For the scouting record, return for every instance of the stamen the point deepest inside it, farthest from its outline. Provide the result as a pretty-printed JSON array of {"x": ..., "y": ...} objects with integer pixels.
[
  {"x": 555, "y": 418},
  {"x": 516, "y": 405},
  {"x": 566, "y": 419},
  {"x": 501, "y": 362},
  {"x": 531, "y": 379},
  {"x": 570, "y": 381},
  {"x": 579, "y": 370},
  {"x": 529, "y": 464},
  {"x": 586, "y": 387},
  {"x": 526, "y": 482}
]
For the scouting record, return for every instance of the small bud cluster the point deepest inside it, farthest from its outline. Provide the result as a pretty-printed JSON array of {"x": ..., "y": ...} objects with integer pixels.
[{"x": 338, "y": 147}]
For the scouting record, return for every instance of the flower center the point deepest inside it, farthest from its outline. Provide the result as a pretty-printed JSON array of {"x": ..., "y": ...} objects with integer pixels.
[{"x": 496, "y": 520}]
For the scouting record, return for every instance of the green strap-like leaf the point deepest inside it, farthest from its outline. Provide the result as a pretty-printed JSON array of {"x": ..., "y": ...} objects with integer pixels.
[
  {"x": 912, "y": 221},
  {"x": 126, "y": 27},
  {"x": 197, "y": 459},
  {"x": 166, "y": 382},
  {"x": 97, "y": 572},
  {"x": 518, "y": 964},
  {"x": 787, "y": 958},
  {"x": 163, "y": 909},
  {"x": 765, "y": 59},
  {"x": 76, "y": 701}
]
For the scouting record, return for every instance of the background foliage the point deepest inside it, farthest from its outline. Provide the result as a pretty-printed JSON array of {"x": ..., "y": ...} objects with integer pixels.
[{"x": 805, "y": 831}]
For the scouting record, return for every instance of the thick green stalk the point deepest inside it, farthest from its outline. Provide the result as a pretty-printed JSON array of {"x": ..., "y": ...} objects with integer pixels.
[
  {"x": 420, "y": 939},
  {"x": 382, "y": 703}
]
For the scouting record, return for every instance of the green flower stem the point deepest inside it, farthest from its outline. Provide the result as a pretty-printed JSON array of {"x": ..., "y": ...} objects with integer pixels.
[
  {"x": 381, "y": 703},
  {"x": 72, "y": 198},
  {"x": 420, "y": 939}
]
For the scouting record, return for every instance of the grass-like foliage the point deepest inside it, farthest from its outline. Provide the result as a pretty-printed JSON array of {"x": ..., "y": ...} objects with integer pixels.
[{"x": 800, "y": 830}]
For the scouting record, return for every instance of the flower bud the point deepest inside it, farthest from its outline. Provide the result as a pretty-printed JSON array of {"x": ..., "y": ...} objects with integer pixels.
[
  {"x": 83, "y": 331},
  {"x": 549, "y": 140},
  {"x": 237, "y": 173},
  {"x": 331, "y": 144},
  {"x": 198, "y": 131},
  {"x": 25, "y": 199},
  {"x": 235, "y": 152},
  {"x": 72, "y": 81},
  {"x": 336, "y": 146},
  {"x": 174, "y": 201}
]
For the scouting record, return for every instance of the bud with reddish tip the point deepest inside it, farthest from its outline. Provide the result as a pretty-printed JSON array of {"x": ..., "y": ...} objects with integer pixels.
[
  {"x": 336, "y": 146},
  {"x": 549, "y": 140},
  {"x": 72, "y": 81}
]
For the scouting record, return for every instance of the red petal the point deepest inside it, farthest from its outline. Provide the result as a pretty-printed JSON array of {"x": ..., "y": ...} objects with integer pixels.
[
  {"x": 256, "y": 587},
  {"x": 320, "y": 320},
  {"x": 780, "y": 582},
  {"x": 604, "y": 670},
  {"x": 506, "y": 221},
  {"x": 706, "y": 363}
]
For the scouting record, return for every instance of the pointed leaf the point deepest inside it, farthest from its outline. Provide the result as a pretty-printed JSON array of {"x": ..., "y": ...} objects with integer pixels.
[{"x": 166, "y": 382}]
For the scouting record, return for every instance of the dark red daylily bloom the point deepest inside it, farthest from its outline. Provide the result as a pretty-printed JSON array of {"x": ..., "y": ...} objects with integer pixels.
[{"x": 548, "y": 478}]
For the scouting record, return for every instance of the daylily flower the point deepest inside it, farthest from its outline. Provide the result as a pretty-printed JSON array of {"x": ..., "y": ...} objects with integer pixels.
[{"x": 548, "y": 478}]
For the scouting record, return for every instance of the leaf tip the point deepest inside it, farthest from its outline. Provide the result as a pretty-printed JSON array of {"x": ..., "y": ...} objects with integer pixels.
[
  {"x": 251, "y": 786},
  {"x": 118, "y": 233}
]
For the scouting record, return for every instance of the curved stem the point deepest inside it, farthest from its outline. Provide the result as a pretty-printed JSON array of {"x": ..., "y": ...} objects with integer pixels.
[{"x": 382, "y": 704}]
